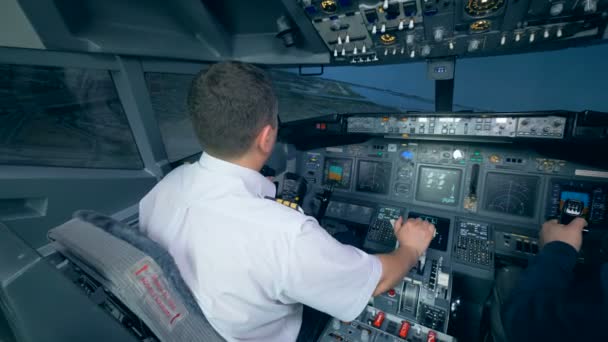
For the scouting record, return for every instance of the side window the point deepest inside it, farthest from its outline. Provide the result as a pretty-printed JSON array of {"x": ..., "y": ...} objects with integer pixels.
[
  {"x": 169, "y": 94},
  {"x": 63, "y": 117}
]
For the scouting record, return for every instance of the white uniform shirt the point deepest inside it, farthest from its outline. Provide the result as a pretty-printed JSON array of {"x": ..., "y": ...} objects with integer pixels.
[{"x": 250, "y": 261}]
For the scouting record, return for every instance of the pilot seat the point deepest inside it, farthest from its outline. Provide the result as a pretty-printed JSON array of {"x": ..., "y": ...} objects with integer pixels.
[{"x": 132, "y": 278}]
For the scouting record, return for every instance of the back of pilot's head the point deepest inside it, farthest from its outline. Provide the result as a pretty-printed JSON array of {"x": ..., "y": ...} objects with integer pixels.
[{"x": 229, "y": 105}]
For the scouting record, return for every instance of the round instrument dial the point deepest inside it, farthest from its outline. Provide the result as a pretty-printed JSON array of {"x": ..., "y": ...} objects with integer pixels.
[
  {"x": 404, "y": 173},
  {"x": 480, "y": 8},
  {"x": 480, "y": 26},
  {"x": 329, "y": 6},
  {"x": 388, "y": 39},
  {"x": 402, "y": 188}
]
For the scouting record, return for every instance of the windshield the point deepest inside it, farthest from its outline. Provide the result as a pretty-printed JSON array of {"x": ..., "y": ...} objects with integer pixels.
[
  {"x": 374, "y": 89},
  {"x": 573, "y": 79}
]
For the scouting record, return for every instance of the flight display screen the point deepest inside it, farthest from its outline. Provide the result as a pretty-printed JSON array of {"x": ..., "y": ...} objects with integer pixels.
[
  {"x": 439, "y": 185},
  {"x": 373, "y": 176},
  {"x": 511, "y": 194},
  {"x": 442, "y": 230},
  {"x": 337, "y": 171},
  {"x": 592, "y": 199}
]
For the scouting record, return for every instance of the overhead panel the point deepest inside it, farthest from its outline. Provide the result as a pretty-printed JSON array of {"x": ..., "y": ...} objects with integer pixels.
[{"x": 397, "y": 31}]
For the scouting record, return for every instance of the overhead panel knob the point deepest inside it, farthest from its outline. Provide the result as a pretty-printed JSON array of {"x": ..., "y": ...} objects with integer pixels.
[
  {"x": 426, "y": 50},
  {"x": 532, "y": 37},
  {"x": 409, "y": 39},
  {"x": 559, "y": 32},
  {"x": 374, "y": 29},
  {"x": 347, "y": 40},
  {"x": 339, "y": 40},
  {"x": 590, "y": 6},
  {"x": 383, "y": 29},
  {"x": 364, "y": 49},
  {"x": 412, "y": 53},
  {"x": 473, "y": 45},
  {"x": 451, "y": 45},
  {"x": 546, "y": 33},
  {"x": 438, "y": 34},
  {"x": 411, "y": 24},
  {"x": 556, "y": 9},
  {"x": 517, "y": 36},
  {"x": 503, "y": 40},
  {"x": 401, "y": 25}
]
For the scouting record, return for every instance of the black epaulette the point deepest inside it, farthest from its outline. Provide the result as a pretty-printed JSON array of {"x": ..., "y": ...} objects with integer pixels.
[{"x": 292, "y": 205}]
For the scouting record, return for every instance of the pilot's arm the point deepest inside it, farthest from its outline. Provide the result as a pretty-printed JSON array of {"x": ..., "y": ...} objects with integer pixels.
[
  {"x": 543, "y": 307},
  {"x": 340, "y": 279}
]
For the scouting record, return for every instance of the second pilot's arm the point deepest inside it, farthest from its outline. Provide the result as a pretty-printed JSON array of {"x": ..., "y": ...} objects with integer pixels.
[
  {"x": 340, "y": 279},
  {"x": 543, "y": 306}
]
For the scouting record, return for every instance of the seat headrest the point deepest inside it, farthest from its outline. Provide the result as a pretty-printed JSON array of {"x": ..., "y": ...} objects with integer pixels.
[
  {"x": 137, "y": 271},
  {"x": 134, "y": 237}
]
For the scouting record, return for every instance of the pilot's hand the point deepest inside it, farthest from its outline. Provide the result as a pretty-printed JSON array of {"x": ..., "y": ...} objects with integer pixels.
[
  {"x": 571, "y": 234},
  {"x": 414, "y": 233}
]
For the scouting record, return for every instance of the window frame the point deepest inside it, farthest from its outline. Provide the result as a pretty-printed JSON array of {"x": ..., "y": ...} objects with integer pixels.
[{"x": 127, "y": 77}]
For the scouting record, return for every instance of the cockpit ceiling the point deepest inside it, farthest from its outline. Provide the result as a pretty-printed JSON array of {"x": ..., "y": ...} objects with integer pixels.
[
  {"x": 15, "y": 28},
  {"x": 291, "y": 32}
]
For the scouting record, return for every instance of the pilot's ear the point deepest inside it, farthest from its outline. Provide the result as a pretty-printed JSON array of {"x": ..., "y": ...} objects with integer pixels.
[{"x": 266, "y": 139}]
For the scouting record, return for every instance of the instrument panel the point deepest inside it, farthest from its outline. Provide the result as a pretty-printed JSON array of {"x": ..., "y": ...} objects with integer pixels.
[
  {"x": 487, "y": 202},
  {"x": 504, "y": 194}
]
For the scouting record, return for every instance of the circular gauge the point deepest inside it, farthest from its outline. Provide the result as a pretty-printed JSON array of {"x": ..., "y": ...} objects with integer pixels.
[
  {"x": 402, "y": 188},
  {"x": 329, "y": 6},
  {"x": 480, "y": 8},
  {"x": 480, "y": 26},
  {"x": 388, "y": 39},
  {"x": 404, "y": 173}
]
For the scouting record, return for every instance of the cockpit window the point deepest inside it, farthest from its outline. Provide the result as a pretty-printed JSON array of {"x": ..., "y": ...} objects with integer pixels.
[
  {"x": 305, "y": 97},
  {"x": 169, "y": 93},
  {"x": 536, "y": 81},
  {"x": 64, "y": 117}
]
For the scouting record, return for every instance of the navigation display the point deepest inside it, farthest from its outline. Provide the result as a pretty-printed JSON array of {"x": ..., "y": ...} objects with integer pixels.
[
  {"x": 439, "y": 185},
  {"x": 442, "y": 230},
  {"x": 511, "y": 194},
  {"x": 373, "y": 176},
  {"x": 337, "y": 171}
]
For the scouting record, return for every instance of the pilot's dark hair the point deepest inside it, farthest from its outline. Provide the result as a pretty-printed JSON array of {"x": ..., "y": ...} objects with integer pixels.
[{"x": 229, "y": 104}]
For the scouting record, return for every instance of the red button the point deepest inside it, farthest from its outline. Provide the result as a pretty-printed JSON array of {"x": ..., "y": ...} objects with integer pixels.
[
  {"x": 431, "y": 337},
  {"x": 379, "y": 319},
  {"x": 405, "y": 328},
  {"x": 392, "y": 293},
  {"x": 323, "y": 126}
]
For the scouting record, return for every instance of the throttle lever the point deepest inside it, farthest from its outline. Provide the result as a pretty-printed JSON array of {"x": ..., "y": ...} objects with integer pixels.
[{"x": 572, "y": 209}]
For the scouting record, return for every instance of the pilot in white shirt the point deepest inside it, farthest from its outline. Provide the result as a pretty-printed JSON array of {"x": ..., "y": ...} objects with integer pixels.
[{"x": 250, "y": 262}]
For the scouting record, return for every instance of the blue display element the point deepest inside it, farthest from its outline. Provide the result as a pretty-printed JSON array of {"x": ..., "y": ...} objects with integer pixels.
[
  {"x": 579, "y": 196},
  {"x": 408, "y": 155}
]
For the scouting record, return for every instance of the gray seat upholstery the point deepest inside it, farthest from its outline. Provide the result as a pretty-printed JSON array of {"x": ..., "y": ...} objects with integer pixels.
[{"x": 140, "y": 273}]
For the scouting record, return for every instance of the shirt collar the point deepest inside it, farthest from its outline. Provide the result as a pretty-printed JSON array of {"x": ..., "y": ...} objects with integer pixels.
[{"x": 255, "y": 183}]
